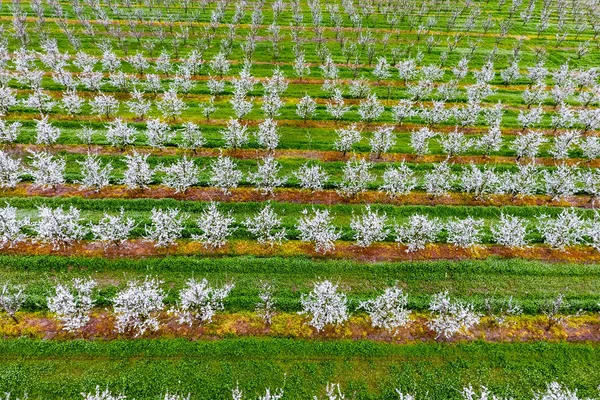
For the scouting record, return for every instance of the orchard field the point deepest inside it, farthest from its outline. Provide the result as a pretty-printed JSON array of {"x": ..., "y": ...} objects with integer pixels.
[{"x": 300, "y": 199}]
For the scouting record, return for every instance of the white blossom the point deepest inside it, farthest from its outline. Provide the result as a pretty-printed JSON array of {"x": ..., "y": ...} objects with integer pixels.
[
  {"x": 464, "y": 232},
  {"x": 404, "y": 109},
  {"x": 73, "y": 303},
  {"x": 510, "y": 231},
  {"x": 388, "y": 311},
  {"x": 46, "y": 133},
  {"x": 137, "y": 307},
  {"x": 369, "y": 227},
  {"x": 491, "y": 141},
  {"x": 271, "y": 104},
  {"x": 306, "y": 107},
  {"x": 12, "y": 299},
  {"x": 398, "y": 180},
  {"x": 564, "y": 142},
  {"x": 103, "y": 104},
  {"x": 556, "y": 391},
  {"x": 382, "y": 140},
  {"x": 11, "y": 170},
  {"x": 418, "y": 231},
  {"x": 94, "y": 174},
  {"x": 200, "y": 302},
  {"x": 170, "y": 105},
  {"x": 267, "y": 178},
  {"x": 451, "y": 317},
  {"x": 590, "y": 147},
  {"x": 11, "y": 227},
  {"x": 356, "y": 177},
  {"x": 346, "y": 138},
  {"x": 181, "y": 175},
  {"x": 336, "y": 106},
  {"x": 191, "y": 136},
  {"x": 46, "y": 170},
  {"x": 166, "y": 227},
  {"x": 235, "y": 134},
  {"x": 102, "y": 395},
  {"x": 325, "y": 305},
  {"x": 370, "y": 109},
  {"x": 267, "y": 135},
  {"x": 266, "y": 226},
  {"x": 215, "y": 225},
  {"x": 311, "y": 177},
  {"x": 265, "y": 308},
  {"x": 318, "y": 228},
  {"x": 439, "y": 180},
  {"x": 528, "y": 144},
  {"x": 158, "y": 133},
  {"x": 119, "y": 134},
  {"x": 561, "y": 182},
  {"x": 59, "y": 227},
  {"x": 138, "y": 105},
  {"x": 480, "y": 182},
  {"x": 454, "y": 143},
  {"x": 566, "y": 229},
  {"x": 224, "y": 173},
  {"x": 419, "y": 140},
  {"x": 138, "y": 174},
  {"x": 113, "y": 229},
  {"x": 524, "y": 182}
]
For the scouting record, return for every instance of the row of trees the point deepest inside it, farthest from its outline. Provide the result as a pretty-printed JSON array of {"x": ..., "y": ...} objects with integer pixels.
[
  {"x": 146, "y": 28},
  {"x": 139, "y": 307},
  {"x": 48, "y": 171},
  {"x": 580, "y": 86},
  {"x": 61, "y": 227},
  {"x": 381, "y": 140}
]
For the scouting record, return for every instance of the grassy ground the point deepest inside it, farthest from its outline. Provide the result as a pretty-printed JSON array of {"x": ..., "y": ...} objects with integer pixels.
[{"x": 210, "y": 369}]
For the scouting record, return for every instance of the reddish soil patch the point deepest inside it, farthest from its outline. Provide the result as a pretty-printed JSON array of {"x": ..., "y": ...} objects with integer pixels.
[
  {"x": 102, "y": 326},
  {"x": 139, "y": 248},
  {"x": 289, "y": 195}
]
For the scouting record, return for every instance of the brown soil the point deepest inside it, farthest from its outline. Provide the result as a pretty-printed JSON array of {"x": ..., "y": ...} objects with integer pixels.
[{"x": 378, "y": 252}]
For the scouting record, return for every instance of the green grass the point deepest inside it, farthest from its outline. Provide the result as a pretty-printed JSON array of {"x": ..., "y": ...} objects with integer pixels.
[{"x": 143, "y": 369}]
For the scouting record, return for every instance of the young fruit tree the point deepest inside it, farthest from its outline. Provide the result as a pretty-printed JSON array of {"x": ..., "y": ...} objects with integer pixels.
[
  {"x": 138, "y": 306},
  {"x": 138, "y": 174},
  {"x": 166, "y": 227},
  {"x": 11, "y": 227},
  {"x": 181, "y": 175},
  {"x": 388, "y": 311},
  {"x": 318, "y": 228},
  {"x": 200, "y": 302},
  {"x": 216, "y": 227},
  {"x": 510, "y": 231},
  {"x": 464, "y": 233},
  {"x": 324, "y": 305},
  {"x": 398, "y": 180},
  {"x": 449, "y": 318},
  {"x": 265, "y": 308},
  {"x": 224, "y": 174},
  {"x": 58, "y": 227},
  {"x": 72, "y": 303},
  {"x": 369, "y": 227},
  {"x": 417, "y": 232},
  {"x": 311, "y": 177},
  {"x": 112, "y": 230},
  {"x": 12, "y": 299},
  {"x": 266, "y": 226},
  {"x": 95, "y": 176}
]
